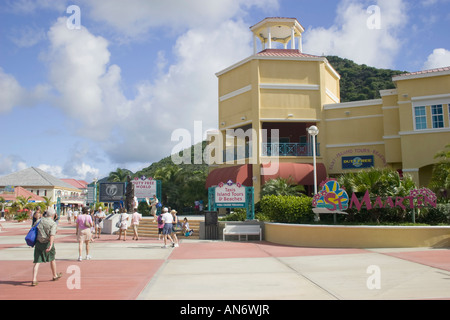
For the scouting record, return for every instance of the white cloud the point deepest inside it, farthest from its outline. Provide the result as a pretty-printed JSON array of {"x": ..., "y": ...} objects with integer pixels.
[
  {"x": 350, "y": 37},
  {"x": 26, "y": 37},
  {"x": 88, "y": 88},
  {"x": 10, "y": 164},
  {"x": 438, "y": 59},
  {"x": 11, "y": 92},
  {"x": 137, "y": 17}
]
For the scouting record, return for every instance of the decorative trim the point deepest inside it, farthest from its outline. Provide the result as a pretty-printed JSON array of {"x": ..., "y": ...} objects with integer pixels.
[
  {"x": 391, "y": 137},
  {"x": 235, "y": 93},
  {"x": 390, "y": 108},
  {"x": 332, "y": 96},
  {"x": 289, "y": 86},
  {"x": 356, "y": 118},
  {"x": 433, "y": 97},
  {"x": 353, "y": 104},
  {"x": 438, "y": 130},
  {"x": 288, "y": 120}
]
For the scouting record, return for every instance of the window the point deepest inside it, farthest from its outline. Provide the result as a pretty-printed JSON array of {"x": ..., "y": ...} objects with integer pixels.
[
  {"x": 420, "y": 115},
  {"x": 437, "y": 116}
]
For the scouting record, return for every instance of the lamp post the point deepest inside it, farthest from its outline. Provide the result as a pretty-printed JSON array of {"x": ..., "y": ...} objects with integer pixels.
[{"x": 314, "y": 131}]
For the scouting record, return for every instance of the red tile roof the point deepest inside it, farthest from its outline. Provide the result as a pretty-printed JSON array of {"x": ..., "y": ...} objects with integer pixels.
[
  {"x": 294, "y": 53},
  {"x": 424, "y": 72},
  {"x": 79, "y": 184},
  {"x": 19, "y": 191}
]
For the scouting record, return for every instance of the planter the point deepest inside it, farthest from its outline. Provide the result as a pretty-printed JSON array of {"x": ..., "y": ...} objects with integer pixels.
[{"x": 321, "y": 236}]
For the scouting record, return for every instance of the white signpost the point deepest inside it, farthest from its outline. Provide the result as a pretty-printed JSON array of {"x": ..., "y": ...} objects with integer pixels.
[
  {"x": 144, "y": 187},
  {"x": 230, "y": 196}
]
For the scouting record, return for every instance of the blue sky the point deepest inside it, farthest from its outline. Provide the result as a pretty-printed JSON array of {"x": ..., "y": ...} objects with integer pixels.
[{"x": 80, "y": 103}]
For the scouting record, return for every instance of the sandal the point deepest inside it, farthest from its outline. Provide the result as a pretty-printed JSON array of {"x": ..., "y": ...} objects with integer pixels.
[
  {"x": 59, "y": 275},
  {"x": 34, "y": 283}
]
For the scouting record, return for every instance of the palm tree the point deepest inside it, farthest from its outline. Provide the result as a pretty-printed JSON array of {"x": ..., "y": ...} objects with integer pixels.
[
  {"x": 440, "y": 180},
  {"x": 379, "y": 182},
  {"x": 171, "y": 177},
  {"x": 120, "y": 175},
  {"x": 281, "y": 187}
]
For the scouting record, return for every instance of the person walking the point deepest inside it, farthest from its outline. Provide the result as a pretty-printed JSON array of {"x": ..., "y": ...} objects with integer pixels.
[
  {"x": 83, "y": 230},
  {"x": 36, "y": 215},
  {"x": 98, "y": 219},
  {"x": 167, "y": 219},
  {"x": 174, "y": 228},
  {"x": 153, "y": 204},
  {"x": 135, "y": 218},
  {"x": 123, "y": 225},
  {"x": 44, "y": 249}
]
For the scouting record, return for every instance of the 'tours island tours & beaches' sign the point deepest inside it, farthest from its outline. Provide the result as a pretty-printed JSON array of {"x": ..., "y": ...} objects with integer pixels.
[{"x": 232, "y": 195}]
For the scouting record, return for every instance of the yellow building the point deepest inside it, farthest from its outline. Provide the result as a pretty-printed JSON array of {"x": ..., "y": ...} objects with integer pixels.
[{"x": 268, "y": 101}]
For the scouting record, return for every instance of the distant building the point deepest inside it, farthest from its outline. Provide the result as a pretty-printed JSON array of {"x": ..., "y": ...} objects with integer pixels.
[
  {"x": 43, "y": 184},
  {"x": 285, "y": 91}
]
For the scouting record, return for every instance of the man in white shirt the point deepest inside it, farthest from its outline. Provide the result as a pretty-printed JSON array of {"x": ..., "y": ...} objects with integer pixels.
[{"x": 167, "y": 218}]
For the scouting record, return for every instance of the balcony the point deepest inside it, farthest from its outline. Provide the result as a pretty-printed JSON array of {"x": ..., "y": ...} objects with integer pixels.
[{"x": 289, "y": 149}]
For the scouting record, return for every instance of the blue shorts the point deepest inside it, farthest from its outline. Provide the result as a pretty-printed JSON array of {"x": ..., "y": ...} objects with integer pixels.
[{"x": 167, "y": 229}]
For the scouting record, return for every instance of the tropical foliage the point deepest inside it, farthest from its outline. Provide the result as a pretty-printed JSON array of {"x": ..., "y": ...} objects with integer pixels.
[
  {"x": 361, "y": 82},
  {"x": 120, "y": 175},
  {"x": 379, "y": 182},
  {"x": 287, "y": 209},
  {"x": 281, "y": 187},
  {"x": 440, "y": 180}
]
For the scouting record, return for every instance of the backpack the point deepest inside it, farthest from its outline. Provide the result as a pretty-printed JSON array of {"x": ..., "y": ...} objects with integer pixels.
[{"x": 31, "y": 237}]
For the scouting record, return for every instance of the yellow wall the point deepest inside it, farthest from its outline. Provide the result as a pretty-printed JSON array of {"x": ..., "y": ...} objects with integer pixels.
[
  {"x": 357, "y": 236},
  {"x": 289, "y": 72}
]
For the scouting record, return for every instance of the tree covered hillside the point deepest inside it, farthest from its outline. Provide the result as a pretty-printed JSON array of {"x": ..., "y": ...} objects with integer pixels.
[{"x": 361, "y": 82}]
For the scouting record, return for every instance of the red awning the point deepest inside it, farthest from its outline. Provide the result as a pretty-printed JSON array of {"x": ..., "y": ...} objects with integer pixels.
[
  {"x": 301, "y": 173},
  {"x": 238, "y": 174}
]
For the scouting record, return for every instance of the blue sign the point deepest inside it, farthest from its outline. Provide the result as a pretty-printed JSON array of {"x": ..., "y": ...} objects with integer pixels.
[{"x": 358, "y": 162}]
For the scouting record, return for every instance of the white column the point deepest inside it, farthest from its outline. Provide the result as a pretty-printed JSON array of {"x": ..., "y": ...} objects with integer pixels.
[
  {"x": 254, "y": 45},
  {"x": 292, "y": 38},
  {"x": 269, "y": 32},
  {"x": 300, "y": 44}
]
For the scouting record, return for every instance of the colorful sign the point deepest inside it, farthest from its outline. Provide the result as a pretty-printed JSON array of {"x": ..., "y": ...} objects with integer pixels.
[
  {"x": 230, "y": 195},
  {"x": 333, "y": 197},
  {"x": 358, "y": 162}
]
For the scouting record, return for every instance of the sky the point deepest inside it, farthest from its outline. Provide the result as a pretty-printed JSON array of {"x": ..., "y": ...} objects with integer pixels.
[{"x": 89, "y": 86}]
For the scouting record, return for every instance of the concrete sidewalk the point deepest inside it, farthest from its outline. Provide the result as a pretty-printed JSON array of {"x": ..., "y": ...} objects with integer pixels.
[{"x": 216, "y": 270}]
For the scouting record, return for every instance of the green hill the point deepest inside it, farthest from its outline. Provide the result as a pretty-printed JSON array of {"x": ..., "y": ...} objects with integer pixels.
[{"x": 361, "y": 82}]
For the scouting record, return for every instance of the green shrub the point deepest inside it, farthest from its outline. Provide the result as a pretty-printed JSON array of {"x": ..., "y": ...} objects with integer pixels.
[
  {"x": 241, "y": 215},
  {"x": 435, "y": 216},
  {"x": 287, "y": 209}
]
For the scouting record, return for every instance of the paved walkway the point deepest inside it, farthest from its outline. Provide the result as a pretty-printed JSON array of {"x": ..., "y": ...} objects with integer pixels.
[{"x": 216, "y": 270}]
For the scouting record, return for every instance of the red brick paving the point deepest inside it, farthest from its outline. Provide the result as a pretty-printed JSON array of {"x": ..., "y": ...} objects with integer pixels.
[{"x": 96, "y": 283}]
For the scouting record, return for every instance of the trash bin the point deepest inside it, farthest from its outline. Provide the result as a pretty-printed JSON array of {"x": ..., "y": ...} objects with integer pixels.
[{"x": 211, "y": 225}]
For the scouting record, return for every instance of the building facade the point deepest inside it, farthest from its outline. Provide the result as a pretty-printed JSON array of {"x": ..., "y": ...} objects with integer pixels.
[
  {"x": 42, "y": 184},
  {"x": 268, "y": 101}
]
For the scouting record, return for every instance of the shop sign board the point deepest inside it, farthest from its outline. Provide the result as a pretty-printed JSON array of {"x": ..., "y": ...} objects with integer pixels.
[
  {"x": 145, "y": 187},
  {"x": 358, "y": 162}
]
